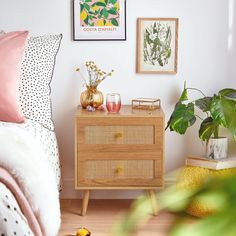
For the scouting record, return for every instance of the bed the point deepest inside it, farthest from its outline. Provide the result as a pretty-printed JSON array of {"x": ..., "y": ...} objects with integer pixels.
[{"x": 29, "y": 159}]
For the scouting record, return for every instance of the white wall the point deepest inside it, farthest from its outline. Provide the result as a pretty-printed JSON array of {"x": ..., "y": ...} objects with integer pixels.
[{"x": 206, "y": 60}]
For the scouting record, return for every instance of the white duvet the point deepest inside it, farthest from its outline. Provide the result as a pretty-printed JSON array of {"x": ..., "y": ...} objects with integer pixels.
[{"x": 23, "y": 156}]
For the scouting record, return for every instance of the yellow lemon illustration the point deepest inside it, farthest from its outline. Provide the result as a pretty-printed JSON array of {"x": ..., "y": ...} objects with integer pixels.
[
  {"x": 100, "y": 22},
  {"x": 83, "y": 15},
  {"x": 95, "y": 8},
  {"x": 108, "y": 23},
  {"x": 117, "y": 6},
  {"x": 102, "y": 1}
]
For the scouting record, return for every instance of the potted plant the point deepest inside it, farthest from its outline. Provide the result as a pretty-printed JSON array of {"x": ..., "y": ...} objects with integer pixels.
[{"x": 219, "y": 110}]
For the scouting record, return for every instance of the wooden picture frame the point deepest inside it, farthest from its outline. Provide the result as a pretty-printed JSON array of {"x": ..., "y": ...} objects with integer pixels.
[
  {"x": 99, "y": 20},
  {"x": 157, "y": 45}
]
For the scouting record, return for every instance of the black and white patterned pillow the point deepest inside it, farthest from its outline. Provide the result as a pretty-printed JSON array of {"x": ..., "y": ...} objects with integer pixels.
[{"x": 37, "y": 72}]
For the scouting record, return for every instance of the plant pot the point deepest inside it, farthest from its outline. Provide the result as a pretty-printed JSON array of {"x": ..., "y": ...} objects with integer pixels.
[
  {"x": 91, "y": 97},
  {"x": 217, "y": 148}
]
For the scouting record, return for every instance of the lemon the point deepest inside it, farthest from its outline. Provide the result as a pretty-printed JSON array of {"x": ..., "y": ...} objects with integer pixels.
[
  {"x": 100, "y": 22},
  {"x": 95, "y": 8},
  {"x": 108, "y": 23},
  {"x": 117, "y": 6},
  {"x": 83, "y": 15},
  {"x": 83, "y": 232}
]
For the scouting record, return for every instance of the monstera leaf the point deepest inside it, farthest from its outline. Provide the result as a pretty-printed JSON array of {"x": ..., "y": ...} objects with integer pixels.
[
  {"x": 223, "y": 110},
  {"x": 184, "y": 95},
  {"x": 228, "y": 93},
  {"x": 204, "y": 103},
  {"x": 207, "y": 129},
  {"x": 182, "y": 118}
]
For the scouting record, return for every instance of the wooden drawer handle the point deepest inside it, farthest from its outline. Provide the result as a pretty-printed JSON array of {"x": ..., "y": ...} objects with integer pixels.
[
  {"x": 119, "y": 170},
  {"x": 118, "y": 135}
]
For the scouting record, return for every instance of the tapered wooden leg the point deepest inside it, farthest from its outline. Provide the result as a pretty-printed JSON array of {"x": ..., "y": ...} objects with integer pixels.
[
  {"x": 85, "y": 202},
  {"x": 152, "y": 195}
]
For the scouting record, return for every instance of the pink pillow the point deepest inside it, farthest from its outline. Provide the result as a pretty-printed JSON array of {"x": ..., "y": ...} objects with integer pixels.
[{"x": 12, "y": 47}]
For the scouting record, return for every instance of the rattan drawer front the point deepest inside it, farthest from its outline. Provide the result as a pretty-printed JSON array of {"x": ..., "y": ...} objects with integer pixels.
[
  {"x": 119, "y": 135},
  {"x": 125, "y": 169}
]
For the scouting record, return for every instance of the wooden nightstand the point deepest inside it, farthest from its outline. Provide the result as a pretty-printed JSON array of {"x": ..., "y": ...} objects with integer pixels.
[{"x": 118, "y": 151}]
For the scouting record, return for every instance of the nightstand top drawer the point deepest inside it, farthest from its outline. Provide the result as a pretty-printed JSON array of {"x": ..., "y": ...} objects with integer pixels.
[
  {"x": 119, "y": 134},
  {"x": 126, "y": 111}
]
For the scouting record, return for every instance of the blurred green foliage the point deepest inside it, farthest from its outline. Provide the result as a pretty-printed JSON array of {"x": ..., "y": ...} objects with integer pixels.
[{"x": 219, "y": 192}]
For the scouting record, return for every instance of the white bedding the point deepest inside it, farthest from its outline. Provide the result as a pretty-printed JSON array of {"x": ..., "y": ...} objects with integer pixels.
[
  {"x": 11, "y": 216},
  {"x": 26, "y": 166},
  {"x": 47, "y": 139}
]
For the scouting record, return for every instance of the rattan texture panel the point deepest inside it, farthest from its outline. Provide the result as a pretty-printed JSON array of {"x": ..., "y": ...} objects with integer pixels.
[
  {"x": 119, "y": 134},
  {"x": 119, "y": 169}
]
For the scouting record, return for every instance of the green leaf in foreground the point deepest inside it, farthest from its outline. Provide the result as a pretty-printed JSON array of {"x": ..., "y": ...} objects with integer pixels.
[{"x": 219, "y": 193}]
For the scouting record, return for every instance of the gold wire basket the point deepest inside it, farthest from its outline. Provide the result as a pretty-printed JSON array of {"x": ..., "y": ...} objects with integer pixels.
[{"x": 146, "y": 103}]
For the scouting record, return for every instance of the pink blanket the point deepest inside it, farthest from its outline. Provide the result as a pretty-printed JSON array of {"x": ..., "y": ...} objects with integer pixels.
[{"x": 7, "y": 179}]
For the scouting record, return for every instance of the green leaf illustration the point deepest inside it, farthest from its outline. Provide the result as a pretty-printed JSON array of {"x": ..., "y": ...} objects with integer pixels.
[
  {"x": 86, "y": 6},
  {"x": 100, "y": 4},
  {"x": 114, "y": 22},
  {"x": 81, "y": 7},
  {"x": 92, "y": 13},
  {"x": 112, "y": 1},
  {"x": 113, "y": 11},
  {"x": 104, "y": 12},
  {"x": 88, "y": 0},
  {"x": 86, "y": 20}
]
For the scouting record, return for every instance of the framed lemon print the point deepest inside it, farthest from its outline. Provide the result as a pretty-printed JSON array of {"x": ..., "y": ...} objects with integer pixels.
[{"x": 99, "y": 20}]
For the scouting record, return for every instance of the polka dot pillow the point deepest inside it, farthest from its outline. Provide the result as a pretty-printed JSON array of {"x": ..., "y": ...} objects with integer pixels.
[{"x": 37, "y": 72}]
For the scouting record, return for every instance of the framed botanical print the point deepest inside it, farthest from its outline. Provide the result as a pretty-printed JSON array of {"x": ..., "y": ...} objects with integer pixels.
[
  {"x": 157, "y": 45},
  {"x": 99, "y": 20}
]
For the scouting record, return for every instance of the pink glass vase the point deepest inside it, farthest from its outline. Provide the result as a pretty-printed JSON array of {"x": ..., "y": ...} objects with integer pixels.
[{"x": 113, "y": 102}]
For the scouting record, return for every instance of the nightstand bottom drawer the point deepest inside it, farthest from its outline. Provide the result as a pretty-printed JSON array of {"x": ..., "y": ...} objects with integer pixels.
[{"x": 119, "y": 169}]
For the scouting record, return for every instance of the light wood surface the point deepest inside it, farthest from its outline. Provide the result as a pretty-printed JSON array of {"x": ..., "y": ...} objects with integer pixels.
[
  {"x": 152, "y": 196},
  {"x": 126, "y": 111},
  {"x": 103, "y": 214},
  {"x": 85, "y": 202},
  {"x": 115, "y": 151}
]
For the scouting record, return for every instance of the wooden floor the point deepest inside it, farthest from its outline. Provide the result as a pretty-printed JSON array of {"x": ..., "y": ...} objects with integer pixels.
[{"x": 102, "y": 214}]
